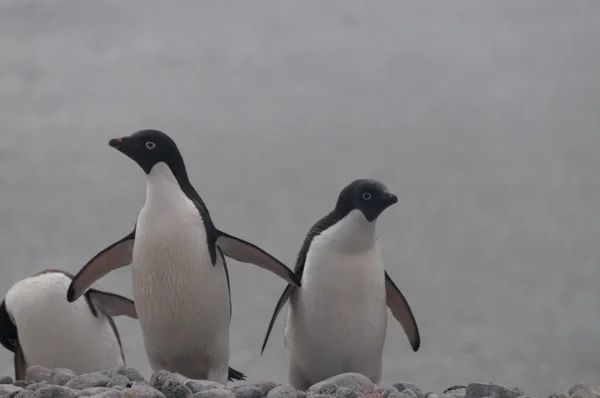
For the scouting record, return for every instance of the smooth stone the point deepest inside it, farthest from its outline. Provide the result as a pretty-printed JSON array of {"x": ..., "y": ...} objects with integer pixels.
[
  {"x": 131, "y": 373},
  {"x": 37, "y": 386},
  {"x": 108, "y": 394},
  {"x": 265, "y": 386},
  {"x": 204, "y": 385},
  {"x": 455, "y": 392},
  {"x": 20, "y": 383},
  {"x": 37, "y": 373},
  {"x": 25, "y": 394},
  {"x": 214, "y": 393},
  {"x": 55, "y": 392},
  {"x": 559, "y": 395},
  {"x": 386, "y": 391},
  {"x": 407, "y": 394},
  {"x": 354, "y": 381},
  {"x": 431, "y": 395},
  {"x": 585, "y": 390},
  {"x": 284, "y": 391},
  {"x": 142, "y": 389},
  {"x": 326, "y": 389},
  {"x": 8, "y": 390},
  {"x": 60, "y": 376},
  {"x": 88, "y": 392},
  {"x": 344, "y": 392},
  {"x": 403, "y": 386},
  {"x": 170, "y": 385},
  {"x": 88, "y": 380},
  {"x": 248, "y": 392},
  {"x": 481, "y": 390},
  {"x": 6, "y": 380},
  {"x": 118, "y": 380}
]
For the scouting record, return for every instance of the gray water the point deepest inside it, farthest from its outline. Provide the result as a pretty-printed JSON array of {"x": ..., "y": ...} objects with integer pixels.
[{"x": 482, "y": 116}]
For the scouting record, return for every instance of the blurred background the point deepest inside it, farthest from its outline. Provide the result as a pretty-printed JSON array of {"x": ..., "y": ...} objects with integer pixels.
[{"x": 483, "y": 117}]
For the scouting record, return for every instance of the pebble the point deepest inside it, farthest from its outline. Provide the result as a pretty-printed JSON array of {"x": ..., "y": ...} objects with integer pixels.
[
  {"x": 92, "y": 391},
  {"x": 60, "y": 376},
  {"x": 481, "y": 390},
  {"x": 88, "y": 380},
  {"x": 354, "y": 381},
  {"x": 204, "y": 385},
  {"x": 403, "y": 386},
  {"x": 119, "y": 380},
  {"x": 248, "y": 392},
  {"x": 8, "y": 390},
  {"x": 214, "y": 393},
  {"x": 559, "y": 395},
  {"x": 55, "y": 392},
  {"x": 37, "y": 373},
  {"x": 36, "y": 386},
  {"x": 142, "y": 389},
  {"x": 585, "y": 390},
  {"x": 170, "y": 385},
  {"x": 131, "y": 373},
  {"x": 344, "y": 392},
  {"x": 25, "y": 394},
  {"x": 284, "y": 391},
  {"x": 265, "y": 386},
  {"x": 6, "y": 380},
  {"x": 109, "y": 394},
  {"x": 407, "y": 394},
  {"x": 386, "y": 391},
  {"x": 20, "y": 383}
]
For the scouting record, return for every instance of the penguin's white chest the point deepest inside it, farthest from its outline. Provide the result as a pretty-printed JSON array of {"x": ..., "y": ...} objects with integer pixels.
[
  {"x": 337, "y": 319},
  {"x": 182, "y": 300}
]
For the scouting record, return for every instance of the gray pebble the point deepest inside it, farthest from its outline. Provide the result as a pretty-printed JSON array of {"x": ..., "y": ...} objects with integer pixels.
[
  {"x": 430, "y": 395},
  {"x": 20, "y": 383},
  {"x": 8, "y": 390},
  {"x": 25, "y": 394},
  {"x": 215, "y": 393},
  {"x": 559, "y": 395},
  {"x": 55, "y": 392},
  {"x": 60, "y": 376},
  {"x": 403, "y": 385},
  {"x": 108, "y": 394},
  {"x": 455, "y": 392},
  {"x": 37, "y": 373},
  {"x": 119, "y": 380},
  {"x": 315, "y": 395},
  {"x": 170, "y": 385},
  {"x": 407, "y": 394},
  {"x": 142, "y": 389},
  {"x": 131, "y": 373},
  {"x": 248, "y": 392},
  {"x": 585, "y": 390},
  {"x": 88, "y": 380},
  {"x": 386, "y": 391},
  {"x": 354, "y": 381},
  {"x": 480, "y": 390},
  {"x": 119, "y": 388},
  {"x": 37, "y": 386},
  {"x": 204, "y": 385},
  {"x": 265, "y": 386},
  {"x": 107, "y": 372},
  {"x": 89, "y": 392},
  {"x": 326, "y": 389},
  {"x": 344, "y": 392},
  {"x": 284, "y": 391},
  {"x": 396, "y": 394},
  {"x": 6, "y": 380}
]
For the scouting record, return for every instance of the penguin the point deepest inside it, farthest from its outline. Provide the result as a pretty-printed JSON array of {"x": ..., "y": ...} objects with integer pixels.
[
  {"x": 337, "y": 320},
  {"x": 179, "y": 273},
  {"x": 40, "y": 327}
]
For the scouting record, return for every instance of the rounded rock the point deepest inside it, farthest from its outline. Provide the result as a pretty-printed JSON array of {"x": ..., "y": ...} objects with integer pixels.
[
  {"x": 408, "y": 394},
  {"x": 344, "y": 392},
  {"x": 248, "y": 392},
  {"x": 385, "y": 391},
  {"x": 559, "y": 395},
  {"x": 354, "y": 381},
  {"x": 90, "y": 392},
  {"x": 142, "y": 389},
  {"x": 284, "y": 391},
  {"x": 25, "y": 394},
  {"x": 36, "y": 386},
  {"x": 214, "y": 393},
  {"x": 37, "y": 373},
  {"x": 119, "y": 380},
  {"x": 108, "y": 394},
  {"x": 265, "y": 386},
  {"x": 55, "y": 392},
  {"x": 60, "y": 376},
  {"x": 8, "y": 390},
  {"x": 88, "y": 380},
  {"x": 481, "y": 390},
  {"x": 170, "y": 385},
  {"x": 204, "y": 385},
  {"x": 6, "y": 380},
  {"x": 403, "y": 386},
  {"x": 585, "y": 390},
  {"x": 131, "y": 373}
]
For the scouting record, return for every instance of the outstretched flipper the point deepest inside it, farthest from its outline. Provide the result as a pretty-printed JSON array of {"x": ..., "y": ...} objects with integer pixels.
[
  {"x": 246, "y": 252},
  {"x": 287, "y": 292},
  {"x": 113, "y": 304},
  {"x": 235, "y": 375},
  {"x": 117, "y": 255},
  {"x": 402, "y": 312}
]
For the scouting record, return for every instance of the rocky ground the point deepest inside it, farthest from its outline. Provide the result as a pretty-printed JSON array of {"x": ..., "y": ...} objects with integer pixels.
[{"x": 128, "y": 382}]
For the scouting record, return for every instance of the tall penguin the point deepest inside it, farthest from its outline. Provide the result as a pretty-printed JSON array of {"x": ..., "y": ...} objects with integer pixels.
[
  {"x": 41, "y": 327},
  {"x": 180, "y": 279},
  {"x": 337, "y": 320}
]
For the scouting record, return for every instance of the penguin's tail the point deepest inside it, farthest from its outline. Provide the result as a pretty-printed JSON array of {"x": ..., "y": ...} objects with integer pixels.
[{"x": 235, "y": 375}]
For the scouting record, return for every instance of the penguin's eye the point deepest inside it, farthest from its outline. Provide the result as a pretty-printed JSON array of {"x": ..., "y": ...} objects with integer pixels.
[
  {"x": 366, "y": 196},
  {"x": 150, "y": 145},
  {"x": 12, "y": 342}
]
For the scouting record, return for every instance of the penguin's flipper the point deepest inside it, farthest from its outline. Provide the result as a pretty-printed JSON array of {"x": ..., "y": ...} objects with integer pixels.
[
  {"x": 246, "y": 252},
  {"x": 402, "y": 312},
  {"x": 113, "y": 304},
  {"x": 287, "y": 292},
  {"x": 117, "y": 255},
  {"x": 19, "y": 362},
  {"x": 235, "y": 375}
]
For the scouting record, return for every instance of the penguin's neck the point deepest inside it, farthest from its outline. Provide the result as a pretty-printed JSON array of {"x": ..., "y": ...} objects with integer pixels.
[
  {"x": 163, "y": 189},
  {"x": 352, "y": 233}
]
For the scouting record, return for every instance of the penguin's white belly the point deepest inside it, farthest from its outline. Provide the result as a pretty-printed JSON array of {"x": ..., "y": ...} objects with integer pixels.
[
  {"x": 55, "y": 333},
  {"x": 337, "y": 319},
  {"x": 182, "y": 300}
]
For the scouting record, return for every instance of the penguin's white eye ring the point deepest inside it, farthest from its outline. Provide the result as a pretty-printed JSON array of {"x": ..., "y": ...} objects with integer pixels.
[
  {"x": 150, "y": 145},
  {"x": 12, "y": 342},
  {"x": 366, "y": 196}
]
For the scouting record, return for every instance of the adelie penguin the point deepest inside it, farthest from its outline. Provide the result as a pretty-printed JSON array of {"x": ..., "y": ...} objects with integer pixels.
[
  {"x": 180, "y": 278},
  {"x": 337, "y": 320},
  {"x": 41, "y": 327}
]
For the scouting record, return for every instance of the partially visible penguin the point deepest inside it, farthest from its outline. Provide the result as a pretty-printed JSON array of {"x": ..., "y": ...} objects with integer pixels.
[
  {"x": 337, "y": 320},
  {"x": 179, "y": 273},
  {"x": 41, "y": 327}
]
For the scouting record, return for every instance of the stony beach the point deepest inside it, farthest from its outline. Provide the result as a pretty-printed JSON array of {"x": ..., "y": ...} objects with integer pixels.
[{"x": 129, "y": 382}]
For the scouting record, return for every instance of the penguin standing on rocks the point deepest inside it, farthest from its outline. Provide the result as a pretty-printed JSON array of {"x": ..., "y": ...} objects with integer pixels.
[
  {"x": 180, "y": 278},
  {"x": 337, "y": 320},
  {"x": 41, "y": 327}
]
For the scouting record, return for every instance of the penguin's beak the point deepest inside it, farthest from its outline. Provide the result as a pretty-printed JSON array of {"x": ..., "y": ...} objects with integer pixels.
[
  {"x": 116, "y": 143},
  {"x": 388, "y": 200}
]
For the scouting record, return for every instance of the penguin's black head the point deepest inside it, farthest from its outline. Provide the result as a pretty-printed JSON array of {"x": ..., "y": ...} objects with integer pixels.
[
  {"x": 371, "y": 197},
  {"x": 8, "y": 331},
  {"x": 149, "y": 147}
]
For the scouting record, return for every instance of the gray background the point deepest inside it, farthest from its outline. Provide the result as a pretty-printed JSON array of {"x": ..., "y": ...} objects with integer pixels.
[{"x": 482, "y": 116}]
